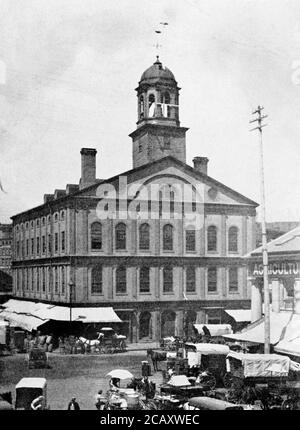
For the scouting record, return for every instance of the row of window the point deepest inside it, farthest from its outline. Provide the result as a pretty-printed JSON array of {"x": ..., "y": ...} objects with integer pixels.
[
  {"x": 36, "y": 279},
  {"x": 33, "y": 246},
  {"x": 5, "y": 251},
  {"x": 144, "y": 280},
  {"x": 5, "y": 242},
  {"x": 168, "y": 237},
  {"x": 5, "y": 261},
  {"x": 38, "y": 222}
]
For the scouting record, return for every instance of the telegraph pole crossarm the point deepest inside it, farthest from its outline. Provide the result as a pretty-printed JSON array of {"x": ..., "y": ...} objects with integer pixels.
[{"x": 259, "y": 127}]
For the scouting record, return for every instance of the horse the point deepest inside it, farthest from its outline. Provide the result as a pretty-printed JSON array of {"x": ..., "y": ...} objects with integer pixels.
[
  {"x": 87, "y": 343},
  {"x": 156, "y": 356}
]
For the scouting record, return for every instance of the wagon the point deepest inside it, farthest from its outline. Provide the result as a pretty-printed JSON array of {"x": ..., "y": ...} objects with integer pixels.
[
  {"x": 180, "y": 388},
  {"x": 207, "y": 361},
  {"x": 254, "y": 369},
  {"x": 110, "y": 341},
  {"x": 37, "y": 358},
  {"x": 267, "y": 375},
  {"x": 29, "y": 389}
]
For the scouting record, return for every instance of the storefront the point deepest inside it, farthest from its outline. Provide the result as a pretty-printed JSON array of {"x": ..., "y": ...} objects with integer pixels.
[{"x": 284, "y": 275}]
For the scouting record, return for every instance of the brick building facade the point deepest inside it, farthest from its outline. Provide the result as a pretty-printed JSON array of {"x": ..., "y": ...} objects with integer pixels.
[{"x": 95, "y": 244}]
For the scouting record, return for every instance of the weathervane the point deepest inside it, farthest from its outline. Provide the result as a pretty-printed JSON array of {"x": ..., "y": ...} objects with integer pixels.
[{"x": 158, "y": 33}]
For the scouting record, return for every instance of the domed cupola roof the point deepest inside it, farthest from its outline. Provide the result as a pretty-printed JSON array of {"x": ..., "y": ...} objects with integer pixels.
[{"x": 157, "y": 73}]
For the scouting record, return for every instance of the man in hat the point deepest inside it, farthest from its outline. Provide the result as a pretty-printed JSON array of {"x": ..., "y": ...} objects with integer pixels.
[{"x": 73, "y": 405}]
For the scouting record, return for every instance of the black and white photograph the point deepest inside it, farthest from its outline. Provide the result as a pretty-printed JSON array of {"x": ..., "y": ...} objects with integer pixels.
[{"x": 149, "y": 207}]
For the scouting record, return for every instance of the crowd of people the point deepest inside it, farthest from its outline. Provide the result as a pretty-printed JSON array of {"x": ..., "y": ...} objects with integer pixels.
[{"x": 38, "y": 340}]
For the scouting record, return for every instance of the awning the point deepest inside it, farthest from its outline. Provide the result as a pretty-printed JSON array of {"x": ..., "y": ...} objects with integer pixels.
[
  {"x": 255, "y": 332},
  {"x": 49, "y": 311},
  {"x": 209, "y": 348},
  {"x": 214, "y": 329},
  {"x": 290, "y": 341},
  {"x": 24, "y": 321},
  {"x": 263, "y": 365},
  {"x": 240, "y": 315}
]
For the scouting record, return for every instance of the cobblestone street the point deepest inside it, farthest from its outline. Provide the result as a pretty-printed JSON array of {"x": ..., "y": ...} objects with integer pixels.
[{"x": 77, "y": 375}]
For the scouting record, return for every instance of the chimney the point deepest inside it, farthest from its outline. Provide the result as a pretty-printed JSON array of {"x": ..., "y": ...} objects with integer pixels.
[
  {"x": 200, "y": 164},
  {"x": 88, "y": 167}
]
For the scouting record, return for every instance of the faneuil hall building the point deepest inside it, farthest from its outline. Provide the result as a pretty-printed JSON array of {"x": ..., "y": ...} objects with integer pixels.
[{"x": 161, "y": 243}]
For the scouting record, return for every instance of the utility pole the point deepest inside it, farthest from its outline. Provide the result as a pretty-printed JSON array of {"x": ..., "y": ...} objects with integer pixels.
[
  {"x": 71, "y": 286},
  {"x": 259, "y": 127}
]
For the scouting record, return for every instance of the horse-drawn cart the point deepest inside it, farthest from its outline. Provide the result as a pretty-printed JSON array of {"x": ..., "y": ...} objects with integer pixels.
[
  {"x": 264, "y": 377},
  {"x": 207, "y": 362}
]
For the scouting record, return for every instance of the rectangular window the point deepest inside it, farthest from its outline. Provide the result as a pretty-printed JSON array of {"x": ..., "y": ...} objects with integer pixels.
[
  {"x": 32, "y": 246},
  {"x": 32, "y": 279},
  {"x": 43, "y": 280},
  {"x": 38, "y": 245},
  {"x": 37, "y": 279},
  {"x": 233, "y": 279},
  {"x": 56, "y": 280},
  {"x": 97, "y": 280},
  {"x": 212, "y": 279},
  {"x": 190, "y": 279},
  {"x": 43, "y": 244},
  {"x": 27, "y": 247},
  {"x": 49, "y": 243},
  {"x": 145, "y": 280},
  {"x": 26, "y": 280},
  {"x": 190, "y": 240},
  {"x": 63, "y": 280},
  {"x": 18, "y": 248},
  {"x": 167, "y": 280},
  {"x": 121, "y": 281},
  {"x": 56, "y": 242},
  {"x": 63, "y": 241}
]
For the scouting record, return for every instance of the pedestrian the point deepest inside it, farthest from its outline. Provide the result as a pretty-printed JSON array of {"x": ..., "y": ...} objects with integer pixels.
[
  {"x": 114, "y": 384},
  {"x": 73, "y": 405},
  {"x": 99, "y": 400}
]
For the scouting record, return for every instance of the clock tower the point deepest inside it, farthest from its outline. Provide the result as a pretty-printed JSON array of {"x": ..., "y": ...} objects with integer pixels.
[{"x": 158, "y": 133}]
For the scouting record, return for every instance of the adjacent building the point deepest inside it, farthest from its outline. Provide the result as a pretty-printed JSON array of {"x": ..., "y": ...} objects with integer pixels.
[
  {"x": 6, "y": 237},
  {"x": 284, "y": 289},
  {"x": 161, "y": 243}
]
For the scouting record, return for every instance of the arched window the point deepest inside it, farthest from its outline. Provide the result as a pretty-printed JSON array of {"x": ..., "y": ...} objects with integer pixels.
[
  {"x": 212, "y": 282},
  {"x": 190, "y": 279},
  {"x": 121, "y": 280},
  {"x": 144, "y": 279},
  {"x": 233, "y": 279},
  {"x": 168, "y": 237},
  {"x": 233, "y": 239},
  {"x": 121, "y": 236},
  {"x": 167, "y": 98},
  {"x": 167, "y": 280},
  {"x": 151, "y": 104},
  {"x": 142, "y": 107},
  {"x": 144, "y": 236},
  {"x": 97, "y": 280},
  {"x": 96, "y": 235},
  {"x": 212, "y": 238}
]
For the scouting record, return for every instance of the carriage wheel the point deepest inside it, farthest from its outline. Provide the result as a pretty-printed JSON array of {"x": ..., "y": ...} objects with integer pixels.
[
  {"x": 288, "y": 404},
  {"x": 227, "y": 380},
  {"x": 209, "y": 381}
]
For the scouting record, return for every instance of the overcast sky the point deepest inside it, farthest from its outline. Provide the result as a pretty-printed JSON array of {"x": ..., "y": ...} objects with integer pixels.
[{"x": 68, "y": 70}]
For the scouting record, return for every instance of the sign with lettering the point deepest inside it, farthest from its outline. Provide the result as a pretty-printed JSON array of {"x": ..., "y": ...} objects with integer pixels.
[{"x": 278, "y": 269}]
